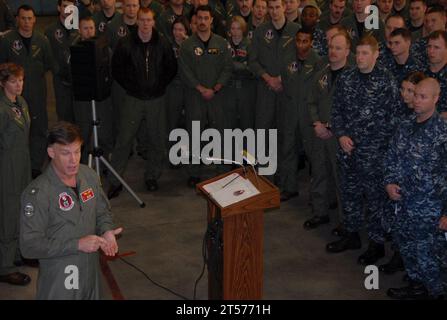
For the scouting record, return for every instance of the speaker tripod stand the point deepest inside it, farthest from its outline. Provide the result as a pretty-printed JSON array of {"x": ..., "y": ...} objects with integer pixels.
[{"x": 98, "y": 155}]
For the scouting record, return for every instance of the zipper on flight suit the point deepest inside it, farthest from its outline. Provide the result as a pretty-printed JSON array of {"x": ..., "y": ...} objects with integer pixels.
[{"x": 147, "y": 62}]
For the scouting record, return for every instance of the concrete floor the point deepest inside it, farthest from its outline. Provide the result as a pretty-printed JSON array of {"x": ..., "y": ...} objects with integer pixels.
[{"x": 167, "y": 238}]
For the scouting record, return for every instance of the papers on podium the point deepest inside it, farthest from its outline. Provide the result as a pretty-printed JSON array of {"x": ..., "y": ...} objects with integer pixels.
[{"x": 231, "y": 189}]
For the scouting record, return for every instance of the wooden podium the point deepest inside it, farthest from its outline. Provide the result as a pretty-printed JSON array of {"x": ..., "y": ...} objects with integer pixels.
[{"x": 235, "y": 240}]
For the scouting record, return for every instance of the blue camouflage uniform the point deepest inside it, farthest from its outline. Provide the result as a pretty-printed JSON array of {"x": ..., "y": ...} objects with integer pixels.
[
  {"x": 319, "y": 43},
  {"x": 385, "y": 55},
  {"x": 365, "y": 108},
  {"x": 419, "y": 50},
  {"x": 417, "y": 161},
  {"x": 441, "y": 76},
  {"x": 399, "y": 71}
]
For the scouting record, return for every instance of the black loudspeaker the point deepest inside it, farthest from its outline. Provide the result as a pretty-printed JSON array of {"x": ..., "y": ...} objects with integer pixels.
[{"x": 90, "y": 69}]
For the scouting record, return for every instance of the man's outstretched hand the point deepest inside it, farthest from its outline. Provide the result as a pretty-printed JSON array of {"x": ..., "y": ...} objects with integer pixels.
[{"x": 110, "y": 247}]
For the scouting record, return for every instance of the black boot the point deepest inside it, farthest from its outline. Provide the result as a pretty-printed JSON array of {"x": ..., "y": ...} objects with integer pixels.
[
  {"x": 151, "y": 185},
  {"x": 339, "y": 231},
  {"x": 349, "y": 241},
  {"x": 414, "y": 291},
  {"x": 316, "y": 221},
  {"x": 287, "y": 195},
  {"x": 374, "y": 252},
  {"x": 394, "y": 265}
]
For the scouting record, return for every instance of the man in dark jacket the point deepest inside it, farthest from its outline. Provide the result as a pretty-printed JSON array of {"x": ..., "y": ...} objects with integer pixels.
[{"x": 143, "y": 64}]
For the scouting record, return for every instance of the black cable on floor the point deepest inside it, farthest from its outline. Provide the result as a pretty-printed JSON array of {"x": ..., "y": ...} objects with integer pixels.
[
  {"x": 205, "y": 258},
  {"x": 153, "y": 282}
]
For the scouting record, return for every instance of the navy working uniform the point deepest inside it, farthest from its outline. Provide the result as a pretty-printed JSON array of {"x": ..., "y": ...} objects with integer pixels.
[
  {"x": 365, "y": 109},
  {"x": 417, "y": 162}
]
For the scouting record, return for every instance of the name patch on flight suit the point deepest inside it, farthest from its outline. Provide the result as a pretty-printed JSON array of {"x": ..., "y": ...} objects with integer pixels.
[
  {"x": 213, "y": 51},
  {"x": 87, "y": 195},
  {"x": 309, "y": 68},
  {"x": 65, "y": 202},
  {"x": 35, "y": 50},
  {"x": 241, "y": 53}
]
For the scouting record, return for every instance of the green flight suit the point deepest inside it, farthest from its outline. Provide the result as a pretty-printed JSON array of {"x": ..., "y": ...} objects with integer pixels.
[
  {"x": 325, "y": 182},
  {"x": 60, "y": 40},
  {"x": 53, "y": 218},
  {"x": 175, "y": 98},
  {"x": 167, "y": 18},
  {"x": 115, "y": 30},
  {"x": 101, "y": 22},
  {"x": 295, "y": 123},
  {"x": 36, "y": 63},
  {"x": 15, "y": 174},
  {"x": 269, "y": 52},
  {"x": 207, "y": 67},
  {"x": 241, "y": 90},
  {"x": 350, "y": 23}
]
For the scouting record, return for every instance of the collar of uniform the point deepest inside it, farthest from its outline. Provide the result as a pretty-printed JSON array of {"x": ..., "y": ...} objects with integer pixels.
[
  {"x": 312, "y": 57},
  {"x": 5, "y": 99},
  {"x": 32, "y": 41},
  {"x": 54, "y": 178},
  {"x": 154, "y": 39},
  {"x": 408, "y": 124},
  {"x": 286, "y": 29},
  {"x": 200, "y": 40}
]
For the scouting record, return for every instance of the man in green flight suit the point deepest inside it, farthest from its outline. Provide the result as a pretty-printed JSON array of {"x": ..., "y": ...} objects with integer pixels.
[
  {"x": 105, "y": 16},
  {"x": 65, "y": 219},
  {"x": 205, "y": 68},
  {"x": 272, "y": 44},
  {"x": 61, "y": 39},
  {"x": 295, "y": 123},
  {"x": 324, "y": 165},
  {"x": 31, "y": 50}
]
